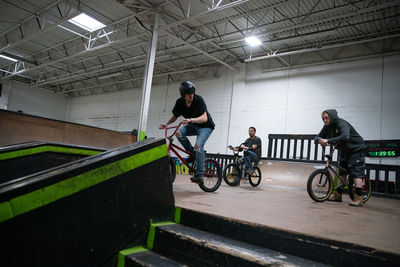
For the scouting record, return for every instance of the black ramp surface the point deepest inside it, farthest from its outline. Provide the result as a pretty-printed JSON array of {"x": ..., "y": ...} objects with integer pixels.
[
  {"x": 28, "y": 158},
  {"x": 19, "y": 167},
  {"x": 90, "y": 226}
]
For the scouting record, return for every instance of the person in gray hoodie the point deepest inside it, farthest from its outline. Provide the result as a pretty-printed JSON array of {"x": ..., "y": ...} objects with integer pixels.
[{"x": 345, "y": 138}]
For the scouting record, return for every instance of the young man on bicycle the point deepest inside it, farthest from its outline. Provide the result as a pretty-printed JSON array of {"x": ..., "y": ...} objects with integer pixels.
[
  {"x": 197, "y": 121},
  {"x": 351, "y": 146},
  {"x": 252, "y": 149}
]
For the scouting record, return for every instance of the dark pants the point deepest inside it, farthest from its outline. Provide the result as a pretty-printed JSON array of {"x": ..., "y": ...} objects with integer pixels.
[
  {"x": 354, "y": 165},
  {"x": 250, "y": 156}
]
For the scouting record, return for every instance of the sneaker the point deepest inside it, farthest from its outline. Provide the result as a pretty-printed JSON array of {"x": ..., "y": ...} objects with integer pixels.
[
  {"x": 191, "y": 159},
  {"x": 197, "y": 178},
  {"x": 357, "y": 201},
  {"x": 336, "y": 197}
]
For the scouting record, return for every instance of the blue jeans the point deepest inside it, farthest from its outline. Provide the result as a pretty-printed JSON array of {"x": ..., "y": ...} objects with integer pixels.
[
  {"x": 249, "y": 156},
  {"x": 202, "y": 136}
]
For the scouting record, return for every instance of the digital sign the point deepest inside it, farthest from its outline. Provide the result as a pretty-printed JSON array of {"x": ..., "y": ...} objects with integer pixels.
[{"x": 383, "y": 148}]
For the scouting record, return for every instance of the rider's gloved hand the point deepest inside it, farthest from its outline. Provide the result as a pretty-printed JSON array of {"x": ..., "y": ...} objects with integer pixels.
[{"x": 162, "y": 126}]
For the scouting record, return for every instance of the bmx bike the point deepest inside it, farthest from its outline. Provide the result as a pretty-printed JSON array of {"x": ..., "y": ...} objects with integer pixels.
[
  {"x": 234, "y": 172},
  {"x": 212, "y": 177},
  {"x": 320, "y": 182}
]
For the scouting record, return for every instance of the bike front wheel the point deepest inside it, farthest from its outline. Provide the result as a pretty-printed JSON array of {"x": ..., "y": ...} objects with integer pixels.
[
  {"x": 366, "y": 189},
  {"x": 231, "y": 174},
  {"x": 255, "y": 177},
  {"x": 212, "y": 177},
  {"x": 319, "y": 185}
]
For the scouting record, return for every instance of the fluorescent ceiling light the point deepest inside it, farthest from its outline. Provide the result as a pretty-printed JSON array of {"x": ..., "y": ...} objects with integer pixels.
[
  {"x": 86, "y": 22},
  {"x": 252, "y": 41},
  {"x": 9, "y": 58}
]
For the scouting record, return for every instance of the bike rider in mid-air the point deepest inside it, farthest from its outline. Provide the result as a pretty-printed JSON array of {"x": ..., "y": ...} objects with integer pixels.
[
  {"x": 197, "y": 121},
  {"x": 351, "y": 146}
]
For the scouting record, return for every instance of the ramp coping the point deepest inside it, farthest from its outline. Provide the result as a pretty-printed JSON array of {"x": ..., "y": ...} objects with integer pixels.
[{"x": 47, "y": 148}]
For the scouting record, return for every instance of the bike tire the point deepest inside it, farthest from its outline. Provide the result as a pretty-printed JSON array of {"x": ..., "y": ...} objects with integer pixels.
[
  {"x": 255, "y": 177},
  {"x": 172, "y": 169},
  {"x": 323, "y": 185},
  {"x": 212, "y": 177},
  {"x": 231, "y": 174},
  {"x": 366, "y": 192}
]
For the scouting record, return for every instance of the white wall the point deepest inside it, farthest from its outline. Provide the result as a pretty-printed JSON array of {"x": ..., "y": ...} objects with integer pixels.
[
  {"x": 36, "y": 101},
  {"x": 366, "y": 93},
  {"x": 6, "y": 87}
]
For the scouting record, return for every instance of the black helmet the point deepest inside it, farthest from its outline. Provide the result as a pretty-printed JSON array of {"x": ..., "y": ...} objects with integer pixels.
[{"x": 187, "y": 88}]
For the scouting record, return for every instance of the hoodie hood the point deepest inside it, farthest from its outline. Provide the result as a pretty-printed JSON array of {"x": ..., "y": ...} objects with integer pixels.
[{"x": 332, "y": 115}]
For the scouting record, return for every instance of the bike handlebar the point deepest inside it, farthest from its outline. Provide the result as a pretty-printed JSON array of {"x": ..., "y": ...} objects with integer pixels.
[{"x": 172, "y": 127}]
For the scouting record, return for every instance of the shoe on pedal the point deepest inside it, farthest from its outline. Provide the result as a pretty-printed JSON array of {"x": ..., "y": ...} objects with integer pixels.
[
  {"x": 336, "y": 197},
  {"x": 198, "y": 179},
  {"x": 357, "y": 201}
]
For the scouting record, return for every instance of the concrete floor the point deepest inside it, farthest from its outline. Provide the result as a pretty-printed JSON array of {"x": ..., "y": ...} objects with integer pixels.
[{"x": 281, "y": 201}]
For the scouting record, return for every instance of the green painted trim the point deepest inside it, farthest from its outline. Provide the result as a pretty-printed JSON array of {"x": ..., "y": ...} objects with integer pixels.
[
  {"x": 51, "y": 193},
  {"x": 43, "y": 149},
  {"x": 152, "y": 233},
  {"x": 123, "y": 253},
  {"x": 142, "y": 135},
  {"x": 177, "y": 217},
  {"x": 6, "y": 211}
]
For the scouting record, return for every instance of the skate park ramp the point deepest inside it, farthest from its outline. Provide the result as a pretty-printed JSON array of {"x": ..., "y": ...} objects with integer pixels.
[
  {"x": 20, "y": 128},
  {"x": 84, "y": 212},
  {"x": 23, "y": 159}
]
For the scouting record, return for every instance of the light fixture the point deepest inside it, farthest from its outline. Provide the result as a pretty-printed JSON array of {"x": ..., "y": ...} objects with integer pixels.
[
  {"x": 86, "y": 22},
  {"x": 8, "y": 58},
  {"x": 252, "y": 41}
]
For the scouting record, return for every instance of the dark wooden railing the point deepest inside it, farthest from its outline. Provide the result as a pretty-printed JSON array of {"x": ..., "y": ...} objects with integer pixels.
[
  {"x": 380, "y": 175},
  {"x": 296, "y": 147}
]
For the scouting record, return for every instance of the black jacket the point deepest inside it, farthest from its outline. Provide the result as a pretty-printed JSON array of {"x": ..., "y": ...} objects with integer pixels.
[{"x": 341, "y": 134}]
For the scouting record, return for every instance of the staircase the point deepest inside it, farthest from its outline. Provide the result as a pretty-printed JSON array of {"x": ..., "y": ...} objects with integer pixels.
[{"x": 198, "y": 239}]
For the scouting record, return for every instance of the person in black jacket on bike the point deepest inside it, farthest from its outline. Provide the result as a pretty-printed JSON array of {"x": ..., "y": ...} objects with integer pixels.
[{"x": 345, "y": 138}]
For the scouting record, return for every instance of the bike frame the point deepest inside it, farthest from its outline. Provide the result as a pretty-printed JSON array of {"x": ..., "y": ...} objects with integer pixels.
[
  {"x": 236, "y": 161},
  {"x": 328, "y": 166},
  {"x": 172, "y": 147}
]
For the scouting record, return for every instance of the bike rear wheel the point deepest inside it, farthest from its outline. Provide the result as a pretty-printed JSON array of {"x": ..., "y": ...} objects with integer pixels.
[
  {"x": 212, "y": 177},
  {"x": 231, "y": 174},
  {"x": 319, "y": 185},
  {"x": 366, "y": 189},
  {"x": 255, "y": 177},
  {"x": 172, "y": 169}
]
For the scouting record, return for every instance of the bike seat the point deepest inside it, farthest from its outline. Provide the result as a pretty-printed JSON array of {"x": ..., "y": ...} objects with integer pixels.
[{"x": 328, "y": 157}]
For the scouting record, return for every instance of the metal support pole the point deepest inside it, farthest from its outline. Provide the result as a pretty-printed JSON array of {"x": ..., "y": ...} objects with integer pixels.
[{"x": 147, "y": 80}]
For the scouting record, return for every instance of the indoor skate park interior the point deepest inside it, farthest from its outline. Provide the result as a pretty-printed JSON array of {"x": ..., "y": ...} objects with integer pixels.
[{"x": 88, "y": 178}]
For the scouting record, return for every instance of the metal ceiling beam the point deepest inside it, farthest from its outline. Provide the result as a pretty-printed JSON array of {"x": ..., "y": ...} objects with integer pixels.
[
  {"x": 348, "y": 15},
  {"x": 43, "y": 30},
  {"x": 126, "y": 80},
  {"x": 319, "y": 48},
  {"x": 332, "y": 61},
  {"x": 203, "y": 52},
  {"x": 235, "y": 3},
  {"x": 31, "y": 17}
]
